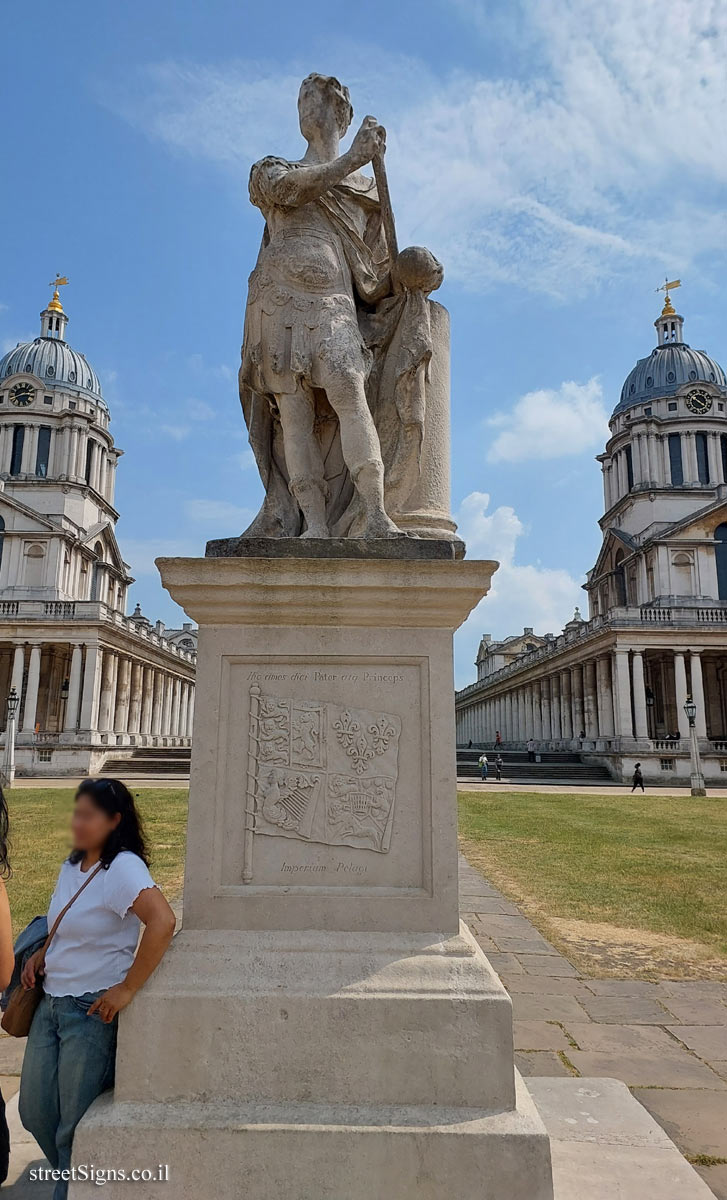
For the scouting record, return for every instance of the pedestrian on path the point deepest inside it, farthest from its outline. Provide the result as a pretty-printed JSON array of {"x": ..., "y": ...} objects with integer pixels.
[
  {"x": 92, "y": 966},
  {"x": 638, "y": 779},
  {"x": 7, "y": 962},
  {"x": 484, "y": 766},
  {"x": 498, "y": 767},
  {"x": 531, "y": 750},
  {"x": 498, "y": 739}
]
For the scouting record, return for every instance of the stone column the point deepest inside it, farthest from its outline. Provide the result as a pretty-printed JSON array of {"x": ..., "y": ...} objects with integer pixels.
[
  {"x": 604, "y": 697},
  {"x": 123, "y": 691},
  {"x": 555, "y": 705},
  {"x": 566, "y": 719},
  {"x": 74, "y": 690},
  {"x": 529, "y": 713},
  {"x": 547, "y": 731},
  {"x": 714, "y": 458},
  {"x": 695, "y": 671},
  {"x": 146, "y": 700},
  {"x": 690, "y": 467},
  {"x": 16, "y": 680},
  {"x": 134, "y": 725},
  {"x": 91, "y": 680},
  {"x": 156, "y": 707},
  {"x": 537, "y": 714},
  {"x": 106, "y": 700},
  {"x": 590, "y": 701},
  {"x": 31, "y": 693},
  {"x": 577, "y": 700},
  {"x": 680, "y": 693},
  {"x": 641, "y": 723},
  {"x": 190, "y": 714},
  {"x": 184, "y": 705},
  {"x": 655, "y": 460},
  {"x": 167, "y": 706},
  {"x": 622, "y": 694},
  {"x": 175, "y": 707}
]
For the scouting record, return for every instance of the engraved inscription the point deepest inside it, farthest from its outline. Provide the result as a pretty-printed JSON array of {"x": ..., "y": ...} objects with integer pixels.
[{"x": 321, "y": 772}]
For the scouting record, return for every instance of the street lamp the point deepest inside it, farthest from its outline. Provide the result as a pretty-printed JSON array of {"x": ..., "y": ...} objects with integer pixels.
[
  {"x": 698, "y": 788},
  {"x": 13, "y": 703},
  {"x": 650, "y": 702}
]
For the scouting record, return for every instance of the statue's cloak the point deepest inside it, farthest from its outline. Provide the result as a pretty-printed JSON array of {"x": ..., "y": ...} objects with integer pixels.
[{"x": 396, "y": 345}]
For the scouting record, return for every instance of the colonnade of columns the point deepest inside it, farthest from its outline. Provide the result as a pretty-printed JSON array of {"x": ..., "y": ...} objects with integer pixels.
[
  {"x": 651, "y": 464},
  {"x": 108, "y": 692},
  {"x": 75, "y": 452},
  {"x": 604, "y": 697}
]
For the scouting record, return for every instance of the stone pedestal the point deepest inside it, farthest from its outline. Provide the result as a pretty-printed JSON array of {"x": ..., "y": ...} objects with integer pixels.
[{"x": 323, "y": 1028}]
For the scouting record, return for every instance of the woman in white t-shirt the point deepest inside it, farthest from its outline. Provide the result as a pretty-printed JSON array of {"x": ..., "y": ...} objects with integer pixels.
[{"x": 92, "y": 968}]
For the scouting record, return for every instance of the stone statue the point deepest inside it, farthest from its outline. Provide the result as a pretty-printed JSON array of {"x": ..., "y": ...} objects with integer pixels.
[{"x": 338, "y": 336}]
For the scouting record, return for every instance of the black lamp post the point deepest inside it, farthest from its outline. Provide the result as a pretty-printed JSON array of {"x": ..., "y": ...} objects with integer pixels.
[
  {"x": 13, "y": 704},
  {"x": 698, "y": 788}
]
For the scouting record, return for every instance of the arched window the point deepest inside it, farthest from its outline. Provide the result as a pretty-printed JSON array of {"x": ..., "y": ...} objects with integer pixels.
[
  {"x": 720, "y": 553},
  {"x": 34, "y": 565},
  {"x": 682, "y": 574}
]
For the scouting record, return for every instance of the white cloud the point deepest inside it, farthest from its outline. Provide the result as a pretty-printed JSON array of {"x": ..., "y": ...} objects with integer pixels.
[
  {"x": 605, "y": 156},
  {"x": 550, "y": 423},
  {"x": 176, "y": 432},
  {"x": 521, "y": 594},
  {"x": 230, "y": 515}
]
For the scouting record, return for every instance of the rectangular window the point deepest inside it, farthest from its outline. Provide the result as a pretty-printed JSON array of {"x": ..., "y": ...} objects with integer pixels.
[
  {"x": 675, "y": 459},
  {"x": 89, "y": 455},
  {"x": 672, "y": 406},
  {"x": 43, "y": 456},
  {"x": 723, "y": 764},
  {"x": 16, "y": 456},
  {"x": 629, "y": 468},
  {"x": 667, "y": 764},
  {"x": 47, "y": 399},
  {"x": 45, "y": 756},
  {"x": 702, "y": 457},
  {"x": 723, "y": 448},
  {"x": 647, "y": 412}
]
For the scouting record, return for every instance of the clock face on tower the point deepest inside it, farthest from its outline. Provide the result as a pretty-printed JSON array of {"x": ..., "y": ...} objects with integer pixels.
[
  {"x": 22, "y": 395},
  {"x": 698, "y": 402}
]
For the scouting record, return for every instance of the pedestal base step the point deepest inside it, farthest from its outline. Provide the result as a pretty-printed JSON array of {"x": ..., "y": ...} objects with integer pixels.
[
  {"x": 317, "y": 1152},
  {"x": 606, "y": 1146}
]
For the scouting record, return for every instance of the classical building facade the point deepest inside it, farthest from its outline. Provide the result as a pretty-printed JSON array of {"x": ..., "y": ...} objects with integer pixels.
[
  {"x": 614, "y": 685},
  {"x": 90, "y": 679}
]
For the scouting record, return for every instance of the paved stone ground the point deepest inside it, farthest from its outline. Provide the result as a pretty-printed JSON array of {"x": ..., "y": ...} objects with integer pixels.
[{"x": 667, "y": 1041}]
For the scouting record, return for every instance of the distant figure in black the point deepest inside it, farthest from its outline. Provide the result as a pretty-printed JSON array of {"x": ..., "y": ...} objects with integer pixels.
[
  {"x": 638, "y": 780},
  {"x": 498, "y": 767}
]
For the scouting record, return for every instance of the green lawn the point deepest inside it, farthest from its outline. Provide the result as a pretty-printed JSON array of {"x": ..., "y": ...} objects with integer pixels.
[
  {"x": 656, "y": 863},
  {"x": 39, "y": 841}
]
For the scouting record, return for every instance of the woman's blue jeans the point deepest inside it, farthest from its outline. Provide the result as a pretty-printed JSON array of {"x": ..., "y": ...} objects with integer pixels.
[{"x": 69, "y": 1061}]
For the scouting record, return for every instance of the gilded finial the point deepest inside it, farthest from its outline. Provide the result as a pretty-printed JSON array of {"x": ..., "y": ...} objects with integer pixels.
[
  {"x": 55, "y": 304},
  {"x": 668, "y": 310}
]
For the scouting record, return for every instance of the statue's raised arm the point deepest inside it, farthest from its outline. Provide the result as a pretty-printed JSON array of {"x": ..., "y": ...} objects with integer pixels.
[{"x": 338, "y": 340}]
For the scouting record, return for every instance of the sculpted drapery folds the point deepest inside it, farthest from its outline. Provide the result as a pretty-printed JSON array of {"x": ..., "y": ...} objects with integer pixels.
[{"x": 337, "y": 341}]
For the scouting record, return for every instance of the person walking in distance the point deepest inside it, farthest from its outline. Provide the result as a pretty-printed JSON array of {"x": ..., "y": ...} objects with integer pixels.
[
  {"x": 484, "y": 766},
  {"x": 498, "y": 767},
  {"x": 638, "y": 778},
  {"x": 531, "y": 750},
  {"x": 498, "y": 739}
]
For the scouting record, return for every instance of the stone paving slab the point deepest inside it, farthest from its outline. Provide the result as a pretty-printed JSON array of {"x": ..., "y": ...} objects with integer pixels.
[
  {"x": 539, "y": 1035},
  {"x": 696, "y": 1011},
  {"x": 715, "y": 1178},
  {"x": 674, "y": 1070},
  {"x": 639, "y": 1039},
  {"x": 625, "y": 1010},
  {"x": 708, "y": 1041},
  {"x": 541, "y": 1063},
  {"x": 692, "y": 1118},
  {"x": 553, "y": 965},
  {"x": 563, "y": 1009}
]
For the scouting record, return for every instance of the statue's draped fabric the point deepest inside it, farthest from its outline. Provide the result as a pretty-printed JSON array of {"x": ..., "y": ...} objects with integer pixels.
[{"x": 296, "y": 320}]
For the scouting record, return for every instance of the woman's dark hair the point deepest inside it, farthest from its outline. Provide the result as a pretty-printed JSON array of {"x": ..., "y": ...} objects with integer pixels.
[
  {"x": 5, "y": 871},
  {"x": 113, "y": 797}
]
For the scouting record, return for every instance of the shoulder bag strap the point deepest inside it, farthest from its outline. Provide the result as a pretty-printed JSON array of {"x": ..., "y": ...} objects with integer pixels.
[{"x": 63, "y": 912}]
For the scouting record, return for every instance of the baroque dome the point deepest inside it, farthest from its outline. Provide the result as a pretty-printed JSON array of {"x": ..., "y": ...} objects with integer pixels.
[
  {"x": 667, "y": 369},
  {"x": 54, "y": 362}
]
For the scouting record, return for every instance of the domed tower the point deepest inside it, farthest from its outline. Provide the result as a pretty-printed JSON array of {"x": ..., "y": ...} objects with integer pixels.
[
  {"x": 664, "y": 472},
  {"x": 57, "y": 474},
  {"x": 668, "y": 446}
]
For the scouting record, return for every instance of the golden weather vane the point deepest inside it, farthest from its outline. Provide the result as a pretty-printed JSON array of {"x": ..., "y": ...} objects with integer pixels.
[
  {"x": 667, "y": 286},
  {"x": 59, "y": 281}
]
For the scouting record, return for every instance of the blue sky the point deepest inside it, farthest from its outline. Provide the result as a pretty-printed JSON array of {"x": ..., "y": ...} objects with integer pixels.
[{"x": 559, "y": 156}]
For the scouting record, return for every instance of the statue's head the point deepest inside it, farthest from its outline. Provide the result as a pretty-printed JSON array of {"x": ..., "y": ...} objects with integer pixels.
[{"x": 319, "y": 96}]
